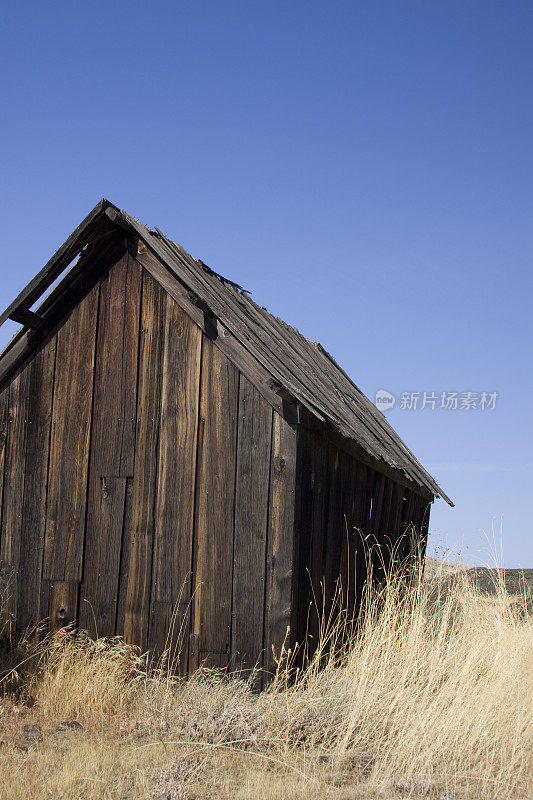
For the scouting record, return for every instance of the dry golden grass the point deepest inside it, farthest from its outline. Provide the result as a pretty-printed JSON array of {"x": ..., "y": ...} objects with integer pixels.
[{"x": 433, "y": 697}]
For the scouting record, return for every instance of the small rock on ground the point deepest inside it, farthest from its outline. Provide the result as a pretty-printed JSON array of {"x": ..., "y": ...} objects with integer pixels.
[{"x": 32, "y": 732}]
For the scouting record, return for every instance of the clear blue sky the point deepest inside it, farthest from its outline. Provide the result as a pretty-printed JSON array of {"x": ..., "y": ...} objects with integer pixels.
[{"x": 364, "y": 167}]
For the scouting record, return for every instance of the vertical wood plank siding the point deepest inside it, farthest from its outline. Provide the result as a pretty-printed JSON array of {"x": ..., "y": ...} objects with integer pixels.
[
  {"x": 174, "y": 513},
  {"x": 112, "y": 443},
  {"x": 4, "y": 427},
  {"x": 41, "y": 383},
  {"x": 13, "y": 494},
  {"x": 215, "y": 506},
  {"x": 141, "y": 530},
  {"x": 69, "y": 445},
  {"x": 348, "y": 518},
  {"x": 280, "y": 612},
  {"x": 254, "y": 439},
  {"x": 148, "y": 488}
]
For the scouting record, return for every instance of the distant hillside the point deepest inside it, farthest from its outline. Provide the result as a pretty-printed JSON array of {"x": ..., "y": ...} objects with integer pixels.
[
  {"x": 485, "y": 578},
  {"x": 434, "y": 567}
]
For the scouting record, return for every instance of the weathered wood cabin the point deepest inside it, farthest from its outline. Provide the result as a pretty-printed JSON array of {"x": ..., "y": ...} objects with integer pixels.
[{"x": 176, "y": 460}]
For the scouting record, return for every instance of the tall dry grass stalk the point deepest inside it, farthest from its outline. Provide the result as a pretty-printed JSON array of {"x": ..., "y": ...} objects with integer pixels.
[
  {"x": 436, "y": 688},
  {"x": 431, "y": 695}
]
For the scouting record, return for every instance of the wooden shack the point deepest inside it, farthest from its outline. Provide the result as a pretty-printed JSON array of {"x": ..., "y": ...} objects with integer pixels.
[{"x": 177, "y": 463}]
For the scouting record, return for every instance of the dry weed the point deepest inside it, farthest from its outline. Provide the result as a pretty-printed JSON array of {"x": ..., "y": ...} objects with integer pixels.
[{"x": 431, "y": 696}]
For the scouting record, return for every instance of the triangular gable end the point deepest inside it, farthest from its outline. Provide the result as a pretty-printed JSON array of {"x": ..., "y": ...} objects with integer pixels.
[{"x": 285, "y": 368}]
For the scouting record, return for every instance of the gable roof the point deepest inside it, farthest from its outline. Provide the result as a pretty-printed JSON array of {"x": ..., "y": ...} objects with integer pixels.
[{"x": 295, "y": 367}]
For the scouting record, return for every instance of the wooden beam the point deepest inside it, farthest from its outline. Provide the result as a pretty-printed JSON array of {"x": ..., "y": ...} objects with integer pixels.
[
  {"x": 27, "y": 318},
  {"x": 59, "y": 262},
  {"x": 61, "y": 300}
]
